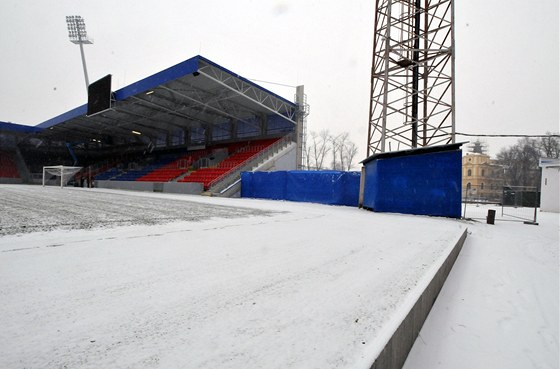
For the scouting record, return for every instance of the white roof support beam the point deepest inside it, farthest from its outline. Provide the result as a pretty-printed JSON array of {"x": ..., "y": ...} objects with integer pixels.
[{"x": 250, "y": 92}]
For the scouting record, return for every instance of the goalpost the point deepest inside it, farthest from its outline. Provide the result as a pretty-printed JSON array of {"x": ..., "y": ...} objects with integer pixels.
[{"x": 64, "y": 172}]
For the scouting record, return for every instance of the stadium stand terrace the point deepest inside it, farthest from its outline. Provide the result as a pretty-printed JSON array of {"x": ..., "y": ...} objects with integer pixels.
[
  {"x": 8, "y": 168},
  {"x": 194, "y": 121},
  {"x": 12, "y": 166}
]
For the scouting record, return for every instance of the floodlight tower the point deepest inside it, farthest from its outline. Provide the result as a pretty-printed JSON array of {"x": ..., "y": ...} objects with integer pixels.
[
  {"x": 412, "y": 101},
  {"x": 78, "y": 35}
]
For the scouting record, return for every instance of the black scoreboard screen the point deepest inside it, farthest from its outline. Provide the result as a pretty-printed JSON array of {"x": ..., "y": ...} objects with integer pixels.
[{"x": 99, "y": 96}]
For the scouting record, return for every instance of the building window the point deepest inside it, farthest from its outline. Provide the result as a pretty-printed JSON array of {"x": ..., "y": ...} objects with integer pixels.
[
  {"x": 482, "y": 172},
  {"x": 468, "y": 186},
  {"x": 482, "y": 186},
  {"x": 469, "y": 173}
]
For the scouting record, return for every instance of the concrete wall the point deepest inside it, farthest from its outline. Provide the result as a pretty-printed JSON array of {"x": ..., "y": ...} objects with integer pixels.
[
  {"x": 167, "y": 187},
  {"x": 395, "y": 352},
  {"x": 11, "y": 180},
  {"x": 284, "y": 160},
  {"x": 126, "y": 185},
  {"x": 184, "y": 188}
]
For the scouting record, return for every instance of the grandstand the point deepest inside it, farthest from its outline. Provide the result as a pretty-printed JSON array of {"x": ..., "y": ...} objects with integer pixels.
[
  {"x": 8, "y": 168},
  {"x": 195, "y": 122},
  {"x": 12, "y": 167}
]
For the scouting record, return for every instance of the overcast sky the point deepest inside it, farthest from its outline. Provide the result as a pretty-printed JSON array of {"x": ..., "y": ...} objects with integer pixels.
[{"x": 506, "y": 56}]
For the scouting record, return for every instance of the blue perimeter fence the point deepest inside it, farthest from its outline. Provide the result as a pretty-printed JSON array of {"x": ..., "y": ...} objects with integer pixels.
[{"x": 323, "y": 187}]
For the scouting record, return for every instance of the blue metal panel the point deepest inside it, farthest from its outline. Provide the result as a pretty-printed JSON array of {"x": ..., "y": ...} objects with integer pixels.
[
  {"x": 277, "y": 124},
  {"x": 221, "y": 131},
  {"x": 198, "y": 135},
  {"x": 425, "y": 184},
  {"x": 250, "y": 128}
]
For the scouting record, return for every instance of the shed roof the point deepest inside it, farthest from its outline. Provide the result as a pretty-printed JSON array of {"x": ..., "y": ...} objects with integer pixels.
[
  {"x": 410, "y": 152},
  {"x": 549, "y": 163}
]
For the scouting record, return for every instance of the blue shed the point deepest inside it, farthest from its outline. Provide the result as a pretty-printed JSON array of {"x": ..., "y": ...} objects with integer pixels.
[{"x": 423, "y": 181}]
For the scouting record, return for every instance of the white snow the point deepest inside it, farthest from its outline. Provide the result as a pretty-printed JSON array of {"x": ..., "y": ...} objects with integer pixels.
[
  {"x": 499, "y": 305},
  {"x": 260, "y": 284}
]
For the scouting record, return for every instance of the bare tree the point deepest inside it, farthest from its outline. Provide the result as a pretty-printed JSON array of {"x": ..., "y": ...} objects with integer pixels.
[
  {"x": 351, "y": 149},
  {"x": 319, "y": 148},
  {"x": 521, "y": 163},
  {"x": 550, "y": 146},
  {"x": 308, "y": 155},
  {"x": 335, "y": 148},
  {"x": 343, "y": 142},
  {"x": 313, "y": 150},
  {"x": 321, "y": 144}
]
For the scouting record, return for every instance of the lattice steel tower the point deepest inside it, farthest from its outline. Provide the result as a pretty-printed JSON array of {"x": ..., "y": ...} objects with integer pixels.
[{"x": 412, "y": 101}]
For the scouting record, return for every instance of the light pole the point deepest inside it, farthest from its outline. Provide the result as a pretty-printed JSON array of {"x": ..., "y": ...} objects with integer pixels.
[{"x": 78, "y": 35}]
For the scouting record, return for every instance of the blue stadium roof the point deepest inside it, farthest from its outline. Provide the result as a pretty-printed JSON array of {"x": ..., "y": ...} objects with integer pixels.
[
  {"x": 19, "y": 128},
  {"x": 194, "y": 93}
]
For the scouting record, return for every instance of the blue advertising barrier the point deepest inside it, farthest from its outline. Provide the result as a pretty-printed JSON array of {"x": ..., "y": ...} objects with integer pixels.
[
  {"x": 324, "y": 187},
  {"x": 264, "y": 185}
]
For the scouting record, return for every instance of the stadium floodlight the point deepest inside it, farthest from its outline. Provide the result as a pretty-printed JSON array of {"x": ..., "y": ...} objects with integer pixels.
[{"x": 78, "y": 35}]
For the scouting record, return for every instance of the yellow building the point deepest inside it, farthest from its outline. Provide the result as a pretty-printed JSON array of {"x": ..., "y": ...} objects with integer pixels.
[{"x": 482, "y": 178}]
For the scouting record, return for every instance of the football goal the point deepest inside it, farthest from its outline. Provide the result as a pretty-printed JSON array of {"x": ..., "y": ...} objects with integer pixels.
[{"x": 65, "y": 173}]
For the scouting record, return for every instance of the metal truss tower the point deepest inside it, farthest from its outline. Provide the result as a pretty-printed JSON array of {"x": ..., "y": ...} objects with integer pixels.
[
  {"x": 412, "y": 102},
  {"x": 301, "y": 128}
]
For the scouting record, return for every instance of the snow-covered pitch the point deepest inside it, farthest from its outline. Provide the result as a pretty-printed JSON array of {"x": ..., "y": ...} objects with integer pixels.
[{"x": 99, "y": 278}]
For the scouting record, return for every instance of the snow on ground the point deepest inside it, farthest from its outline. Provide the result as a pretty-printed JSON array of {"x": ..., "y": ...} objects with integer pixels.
[
  {"x": 53, "y": 209},
  {"x": 120, "y": 279},
  {"x": 502, "y": 213},
  {"x": 250, "y": 284},
  {"x": 499, "y": 305}
]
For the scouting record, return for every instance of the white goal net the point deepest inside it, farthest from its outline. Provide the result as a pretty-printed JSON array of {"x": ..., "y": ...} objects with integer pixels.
[{"x": 65, "y": 173}]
